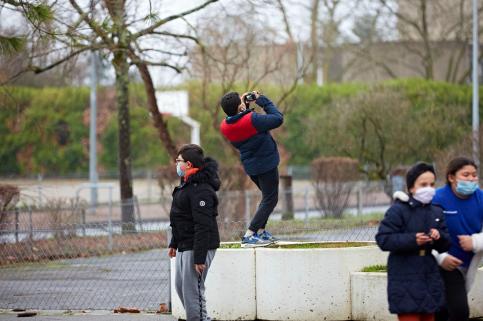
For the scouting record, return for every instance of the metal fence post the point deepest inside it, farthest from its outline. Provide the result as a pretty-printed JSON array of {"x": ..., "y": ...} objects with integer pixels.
[
  {"x": 306, "y": 204},
  {"x": 287, "y": 205},
  {"x": 247, "y": 208},
  {"x": 39, "y": 190},
  {"x": 149, "y": 175},
  {"x": 83, "y": 222},
  {"x": 359, "y": 200},
  {"x": 31, "y": 228},
  {"x": 138, "y": 210},
  {"x": 168, "y": 238},
  {"x": 16, "y": 225},
  {"x": 110, "y": 220}
]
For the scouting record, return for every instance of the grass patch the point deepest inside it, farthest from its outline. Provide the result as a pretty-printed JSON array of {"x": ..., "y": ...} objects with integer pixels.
[
  {"x": 46, "y": 265},
  {"x": 230, "y": 246},
  {"x": 42, "y": 251},
  {"x": 375, "y": 268},
  {"x": 325, "y": 223},
  {"x": 319, "y": 245}
]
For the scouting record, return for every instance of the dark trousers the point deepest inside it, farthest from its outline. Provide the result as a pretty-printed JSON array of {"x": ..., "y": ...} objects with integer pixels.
[
  {"x": 456, "y": 308},
  {"x": 268, "y": 184}
]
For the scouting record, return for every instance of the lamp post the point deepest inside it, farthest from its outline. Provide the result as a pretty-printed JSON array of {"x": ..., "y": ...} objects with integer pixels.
[
  {"x": 93, "y": 178},
  {"x": 475, "y": 70}
]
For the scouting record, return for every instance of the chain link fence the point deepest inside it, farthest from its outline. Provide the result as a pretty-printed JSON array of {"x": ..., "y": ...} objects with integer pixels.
[{"x": 66, "y": 253}]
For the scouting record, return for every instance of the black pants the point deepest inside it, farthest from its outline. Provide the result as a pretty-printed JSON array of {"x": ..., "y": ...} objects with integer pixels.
[
  {"x": 268, "y": 184},
  {"x": 456, "y": 308}
]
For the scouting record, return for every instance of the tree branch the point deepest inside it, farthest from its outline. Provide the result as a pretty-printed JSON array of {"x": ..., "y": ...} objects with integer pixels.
[
  {"x": 91, "y": 23},
  {"x": 170, "y": 18},
  {"x": 176, "y": 54},
  {"x": 137, "y": 61},
  {"x": 286, "y": 23},
  {"x": 174, "y": 35},
  {"x": 38, "y": 70}
]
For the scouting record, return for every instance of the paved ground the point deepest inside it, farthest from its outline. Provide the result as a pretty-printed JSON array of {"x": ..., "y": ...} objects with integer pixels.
[
  {"x": 130, "y": 280},
  {"x": 97, "y": 316},
  {"x": 89, "y": 316},
  {"x": 138, "y": 280}
]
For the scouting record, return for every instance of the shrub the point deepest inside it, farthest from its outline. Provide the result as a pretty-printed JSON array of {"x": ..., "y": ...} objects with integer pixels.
[
  {"x": 333, "y": 179},
  {"x": 63, "y": 215},
  {"x": 9, "y": 196}
]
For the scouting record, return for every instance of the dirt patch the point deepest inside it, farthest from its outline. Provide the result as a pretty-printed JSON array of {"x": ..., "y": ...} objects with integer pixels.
[{"x": 66, "y": 248}]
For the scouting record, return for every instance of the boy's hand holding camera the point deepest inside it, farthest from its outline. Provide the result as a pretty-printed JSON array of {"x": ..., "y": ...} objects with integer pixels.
[{"x": 248, "y": 97}]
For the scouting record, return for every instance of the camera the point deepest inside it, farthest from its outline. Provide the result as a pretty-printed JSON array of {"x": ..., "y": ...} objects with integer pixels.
[{"x": 249, "y": 97}]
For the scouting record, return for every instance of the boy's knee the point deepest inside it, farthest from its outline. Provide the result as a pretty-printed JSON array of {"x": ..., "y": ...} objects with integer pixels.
[{"x": 270, "y": 200}]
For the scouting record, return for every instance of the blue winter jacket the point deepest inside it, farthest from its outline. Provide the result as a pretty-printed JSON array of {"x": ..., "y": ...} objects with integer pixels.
[
  {"x": 463, "y": 217},
  {"x": 249, "y": 132},
  {"x": 414, "y": 281}
]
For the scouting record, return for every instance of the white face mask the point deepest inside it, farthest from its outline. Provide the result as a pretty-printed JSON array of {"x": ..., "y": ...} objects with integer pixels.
[{"x": 424, "y": 194}]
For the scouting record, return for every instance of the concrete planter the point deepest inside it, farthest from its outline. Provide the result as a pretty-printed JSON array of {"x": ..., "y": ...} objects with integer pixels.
[
  {"x": 369, "y": 298},
  {"x": 309, "y": 284},
  {"x": 230, "y": 286}
]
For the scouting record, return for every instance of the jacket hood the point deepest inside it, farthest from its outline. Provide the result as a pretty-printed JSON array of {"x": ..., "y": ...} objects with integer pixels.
[
  {"x": 237, "y": 117},
  {"x": 207, "y": 174}
]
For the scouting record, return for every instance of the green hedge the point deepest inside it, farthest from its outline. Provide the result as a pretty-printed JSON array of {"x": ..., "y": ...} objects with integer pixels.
[{"x": 45, "y": 130}]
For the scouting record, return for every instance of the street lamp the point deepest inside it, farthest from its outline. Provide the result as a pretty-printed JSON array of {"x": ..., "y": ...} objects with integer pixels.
[
  {"x": 475, "y": 72},
  {"x": 93, "y": 178}
]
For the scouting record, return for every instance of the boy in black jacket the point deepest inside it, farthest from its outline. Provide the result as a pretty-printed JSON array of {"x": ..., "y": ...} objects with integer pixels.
[
  {"x": 249, "y": 132},
  {"x": 195, "y": 231}
]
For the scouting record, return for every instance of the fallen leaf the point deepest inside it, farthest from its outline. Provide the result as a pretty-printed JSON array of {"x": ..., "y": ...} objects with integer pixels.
[
  {"x": 163, "y": 308},
  {"x": 126, "y": 310}
]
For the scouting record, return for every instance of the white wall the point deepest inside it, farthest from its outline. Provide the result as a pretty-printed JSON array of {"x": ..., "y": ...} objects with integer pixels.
[
  {"x": 369, "y": 297},
  {"x": 309, "y": 284}
]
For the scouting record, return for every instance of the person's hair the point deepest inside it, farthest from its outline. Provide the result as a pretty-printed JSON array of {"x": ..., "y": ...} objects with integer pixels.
[
  {"x": 415, "y": 171},
  {"x": 456, "y": 164},
  {"x": 192, "y": 153},
  {"x": 230, "y": 102}
]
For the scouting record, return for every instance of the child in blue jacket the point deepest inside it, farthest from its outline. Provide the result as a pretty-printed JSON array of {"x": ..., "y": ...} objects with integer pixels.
[
  {"x": 249, "y": 132},
  {"x": 410, "y": 231}
]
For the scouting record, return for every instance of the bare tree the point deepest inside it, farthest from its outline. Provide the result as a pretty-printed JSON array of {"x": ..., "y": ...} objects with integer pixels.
[
  {"x": 426, "y": 27},
  {"x": 120, "y": 31},
  {"x": 235, "y": 52},
  {"x": 333, "y": 179},
  {"x": 326, "y": 35},
  {"x": 9, "y": 196},
  {"x": 314, "y": 38}
]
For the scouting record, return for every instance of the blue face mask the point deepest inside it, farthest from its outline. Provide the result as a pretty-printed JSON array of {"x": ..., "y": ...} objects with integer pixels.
[
  {"x": 179, "y": 171},
  {"x": 466, "y": 187}
]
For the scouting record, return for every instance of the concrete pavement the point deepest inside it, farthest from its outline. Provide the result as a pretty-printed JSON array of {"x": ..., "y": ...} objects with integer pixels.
[{"x": 8, "y": 315}]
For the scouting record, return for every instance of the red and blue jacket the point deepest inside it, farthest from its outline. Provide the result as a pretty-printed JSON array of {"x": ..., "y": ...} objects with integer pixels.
[{"x": 249, "y": 132}]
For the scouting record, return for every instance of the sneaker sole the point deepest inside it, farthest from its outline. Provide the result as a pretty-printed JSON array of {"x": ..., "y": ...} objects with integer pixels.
[
  {"x": 273, "y": 241},
  {"x": 254, "y": 245}
]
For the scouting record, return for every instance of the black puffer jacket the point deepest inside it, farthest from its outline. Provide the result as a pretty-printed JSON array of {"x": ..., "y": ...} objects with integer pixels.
[
  {"x": 414, "y": 281},
  {"x": 193, "y": 212}
]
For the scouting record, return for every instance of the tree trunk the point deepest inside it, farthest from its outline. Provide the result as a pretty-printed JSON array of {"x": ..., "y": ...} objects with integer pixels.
[
  {"x": 125, "y": 178},
  {"x": 428, "y": 55},
  {"x": 157, "y": 117},
  {"x": 117, "y": 12},
  {"x": 314, "y": 40}
]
